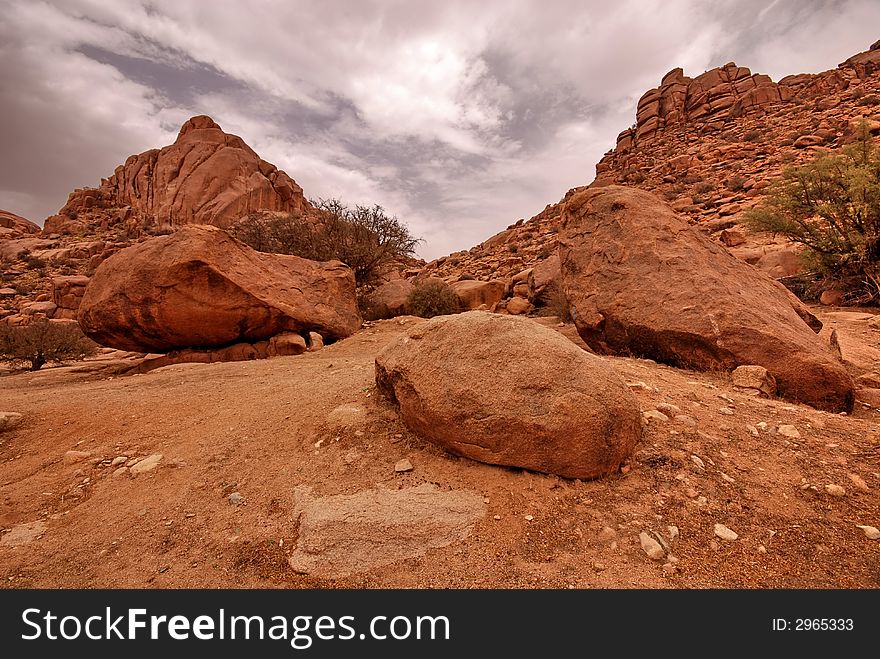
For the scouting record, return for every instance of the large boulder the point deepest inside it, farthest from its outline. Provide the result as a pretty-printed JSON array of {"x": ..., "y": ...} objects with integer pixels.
[
  {"x": 473, "y": 294},
  {"x": 506, "y": 390},
  {"x": 390, "y": 298},
  {"x": 641, "y": 281},
  {"x": 199, "y": 287}
]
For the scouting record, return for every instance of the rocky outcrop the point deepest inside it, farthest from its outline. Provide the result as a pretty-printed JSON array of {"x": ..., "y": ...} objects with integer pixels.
[
  {"x": 15, "y": 226},
  {"x": 205, "y": 177},
  {"x": 508, "y": 391},
  {"x": 199, "y": 287},
  {"x": 641, "y": 281},
  {"x": 67, "y": 293}
]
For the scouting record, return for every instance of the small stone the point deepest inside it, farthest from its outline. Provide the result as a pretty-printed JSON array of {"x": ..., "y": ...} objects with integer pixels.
[
  {"x": 607, "y": 534},
  {"x": 122, "y": 471},
  {"x": 725, "y": 410},
  {"x": 726, "y": 477},
  {"x": 403, "y": 466},
  {"x": 871, "y": 532},
  {"x": 762, "y": 549},
  {"x": 651, "y": 547},
  {"x": 654, "y": 415},
  {"x": 725, "y": 533},
  {"x": 668, "y": 409},
  {"x": 529, "y": 518},
  {"x": 147, "y": 464},
  {"x": 691, "y": 493},
  {"x": 835, "y": 490},
  {"x": 118, "y": 461},
  {"x": 669, "y": 568},
  {"x": 497, "y": 517},
  {"x": 752, "y": 431},
  {"x": 673, "y": 532},
  {"x": 753, "y": 377},
  {"x": 859, "y": 483},
  {"x": 686, "y": 420},
  {"x": 72, "y": 457},
  {"x": 699, "y": 462},
  {"x": 599, "y": 567},
  {"x": 788, "y": 431},
  {"x": 9, "y": 420},
  {"x": 235, "y": 498}
]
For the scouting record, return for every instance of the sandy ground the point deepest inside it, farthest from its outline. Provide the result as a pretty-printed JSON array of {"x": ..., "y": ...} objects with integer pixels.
[{"x": 263, "y": 428}]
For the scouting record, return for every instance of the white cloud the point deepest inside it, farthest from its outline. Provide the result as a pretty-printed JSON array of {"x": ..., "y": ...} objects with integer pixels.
[{"x": 460, "y": 117}]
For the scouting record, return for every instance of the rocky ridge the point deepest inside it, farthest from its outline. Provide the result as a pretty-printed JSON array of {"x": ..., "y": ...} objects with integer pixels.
[{"x": 710, "y": 146}]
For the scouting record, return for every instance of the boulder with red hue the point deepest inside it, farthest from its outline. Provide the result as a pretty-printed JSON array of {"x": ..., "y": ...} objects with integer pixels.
[
  {"x": 473, "y": 294},
  {"x": 641, "y": 281},
  {"x": 508, "y": 391},
  {"x": 199, "y": 287}
]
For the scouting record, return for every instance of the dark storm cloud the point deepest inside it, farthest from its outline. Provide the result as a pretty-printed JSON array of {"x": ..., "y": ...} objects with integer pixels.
[{"x": 459, "y": 117}]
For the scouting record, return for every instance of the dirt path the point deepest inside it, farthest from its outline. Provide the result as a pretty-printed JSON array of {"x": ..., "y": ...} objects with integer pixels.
[{"x": 258, "y": 430}]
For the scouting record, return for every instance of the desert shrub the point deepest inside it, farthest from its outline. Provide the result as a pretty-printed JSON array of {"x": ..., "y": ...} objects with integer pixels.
[
  {"x": 752, "y": 136},
  {"x": 433, "y": 298},
  {"x": 670, "y": 195},
  {"x": 703, "y": 188},
  {"x": 34, "y": 262},
  {"x": 43, "y": 342},
  {"x": 869, "y": 100},
  {"x": 512, "y": 248},
  {"x": 832, "y": 206},
  {"x": 735, "y": 183},
  {"x": 365, "y": 238},
  {"x": 691, "y": 179}
]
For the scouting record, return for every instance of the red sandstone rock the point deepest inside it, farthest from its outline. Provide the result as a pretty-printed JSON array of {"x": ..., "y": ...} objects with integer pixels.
[
  {"x": 199, "y": 287},
  {"x": 506, "y": 390},
  {"x": 641, "y": 281}
]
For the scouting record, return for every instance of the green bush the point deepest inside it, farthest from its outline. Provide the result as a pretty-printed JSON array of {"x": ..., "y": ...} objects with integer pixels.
[
  {"x": 43, "y": 342},
  {"x": 365, "y": 238},
  {"x": 832, "y": 206},
  {"x": 431, "y": 299}
]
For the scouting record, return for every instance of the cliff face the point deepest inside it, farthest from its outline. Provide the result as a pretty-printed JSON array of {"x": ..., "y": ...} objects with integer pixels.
[
  {"x": 709, "y": 145},
  {"x": 206, "y": 177}
]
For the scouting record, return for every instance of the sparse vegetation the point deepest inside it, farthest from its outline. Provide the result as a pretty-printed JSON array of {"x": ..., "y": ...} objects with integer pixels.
[
  {"x": 43, "y": 342},
  {"x": 365, "y": 238},
  {"x": 433, "y": 298},
  {"x": 752, "y": 136},
  {"x": 735, "y": 183},
  {"x": 832, "y": 206}
]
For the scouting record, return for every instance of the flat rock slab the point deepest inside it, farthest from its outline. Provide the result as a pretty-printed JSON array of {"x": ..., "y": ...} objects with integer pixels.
[
  {"x": 147, "y": 464},
  {"x": 23, "y": 534},
  {"x": 344, "y": 534}
]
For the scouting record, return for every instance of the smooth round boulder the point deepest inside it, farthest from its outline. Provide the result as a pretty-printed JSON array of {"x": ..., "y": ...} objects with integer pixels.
[{"x": 506, "y": 390}]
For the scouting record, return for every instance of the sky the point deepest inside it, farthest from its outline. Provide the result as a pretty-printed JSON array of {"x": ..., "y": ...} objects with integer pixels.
[{"x": 458, "y": 117}]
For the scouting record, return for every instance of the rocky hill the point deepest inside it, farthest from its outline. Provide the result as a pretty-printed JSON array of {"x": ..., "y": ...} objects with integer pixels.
[
  {"x": 206, "y": 177},
  {"x": 710, "y": 146},
  {"x": 15, "y": 226}
]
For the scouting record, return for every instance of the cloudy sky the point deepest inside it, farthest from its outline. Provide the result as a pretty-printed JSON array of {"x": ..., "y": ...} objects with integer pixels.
[{"x": 459, "y": 117}]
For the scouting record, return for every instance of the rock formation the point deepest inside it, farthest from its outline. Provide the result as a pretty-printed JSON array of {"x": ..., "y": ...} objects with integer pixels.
[
  {"x": 15, "y": 226},
  {"x": 205, "y": 177},
  {"x": 641, "y": 281},
  {"x": 199, "y": 287},
  {"x": 508, "y": 391}
]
